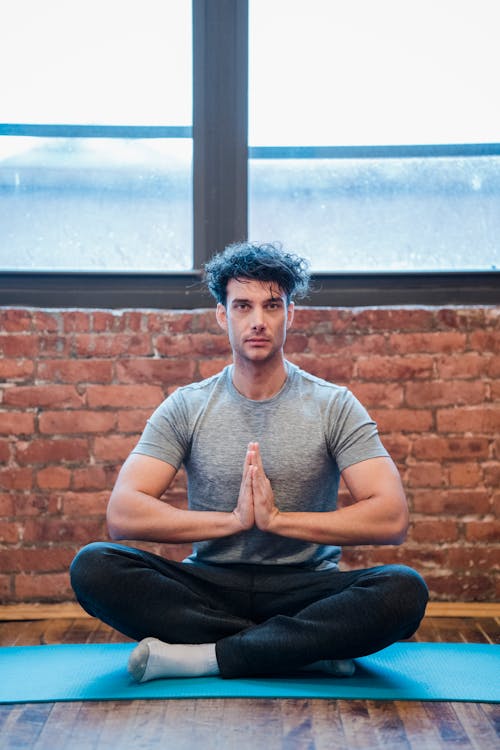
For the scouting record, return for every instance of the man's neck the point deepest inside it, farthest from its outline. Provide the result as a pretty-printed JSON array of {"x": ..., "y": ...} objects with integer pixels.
[{"x": 259, "y": 380}]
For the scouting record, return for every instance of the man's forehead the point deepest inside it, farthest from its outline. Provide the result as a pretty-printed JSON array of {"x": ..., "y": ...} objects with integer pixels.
[{"x": 247, "y": 288}]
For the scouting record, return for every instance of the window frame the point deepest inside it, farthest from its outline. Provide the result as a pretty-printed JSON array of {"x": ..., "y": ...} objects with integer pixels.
[{"x": 220, "y": 195}]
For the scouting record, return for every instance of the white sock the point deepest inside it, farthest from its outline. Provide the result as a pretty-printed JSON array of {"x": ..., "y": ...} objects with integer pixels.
[
  {"x": 334, "y": 667},
  {"x": 152, "y": 659}
]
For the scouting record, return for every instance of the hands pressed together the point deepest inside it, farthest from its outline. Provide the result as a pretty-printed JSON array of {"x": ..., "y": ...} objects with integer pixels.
[{"x": 256, "y": 505}]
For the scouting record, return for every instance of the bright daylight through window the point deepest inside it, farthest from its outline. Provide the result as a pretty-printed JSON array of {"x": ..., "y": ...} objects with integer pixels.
[
  {"x": 99, "y": 174},
  {"x": 329, "y": 83},
  {"x": 373, "y": 133}
]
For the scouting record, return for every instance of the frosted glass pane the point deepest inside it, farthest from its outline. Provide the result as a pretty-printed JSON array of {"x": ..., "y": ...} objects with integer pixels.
[
  {"x": 380, "y": 214},
  {"x": 373, "y": 72},
  {"x": 96, "y": 204},
  {"x": 98, "y": 61}
]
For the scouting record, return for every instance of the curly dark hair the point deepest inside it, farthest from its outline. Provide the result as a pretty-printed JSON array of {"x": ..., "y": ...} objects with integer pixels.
[{"x": 268, "y": 262}]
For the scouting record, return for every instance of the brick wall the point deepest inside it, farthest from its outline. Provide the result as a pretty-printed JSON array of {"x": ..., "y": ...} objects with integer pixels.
[{"x": 77, "y": 386}]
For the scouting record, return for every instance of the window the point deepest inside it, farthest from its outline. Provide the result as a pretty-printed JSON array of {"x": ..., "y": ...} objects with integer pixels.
[
  {"x": 353, "y": 107},
  {"x": 96, "y": 172},
  {"x": 139, "y": 138}
]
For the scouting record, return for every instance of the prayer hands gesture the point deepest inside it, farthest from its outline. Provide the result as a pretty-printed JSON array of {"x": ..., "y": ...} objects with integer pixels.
[{"x": 256, "y": 505}]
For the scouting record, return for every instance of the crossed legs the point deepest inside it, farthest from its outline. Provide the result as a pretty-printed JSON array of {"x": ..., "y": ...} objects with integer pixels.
[{"x": 254, "y": 620}]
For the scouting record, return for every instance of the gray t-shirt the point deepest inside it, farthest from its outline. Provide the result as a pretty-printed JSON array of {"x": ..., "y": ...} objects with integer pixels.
[{"x": 308, "y": 433}]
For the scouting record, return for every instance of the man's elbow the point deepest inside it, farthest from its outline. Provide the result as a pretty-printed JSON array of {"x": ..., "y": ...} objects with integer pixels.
[
  {"x": 117, "y": 528},
  {"x": 399, "y": 528}
]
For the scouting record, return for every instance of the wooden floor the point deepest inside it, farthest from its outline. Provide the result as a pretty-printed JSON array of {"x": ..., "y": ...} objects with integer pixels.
[{"x": 227, "y": 724}]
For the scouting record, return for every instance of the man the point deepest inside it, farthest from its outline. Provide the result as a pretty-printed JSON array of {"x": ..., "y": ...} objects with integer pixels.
[{"x": 264, "y": 445}]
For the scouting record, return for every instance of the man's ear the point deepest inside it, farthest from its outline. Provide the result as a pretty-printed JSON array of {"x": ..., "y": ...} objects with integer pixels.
[
  {"x": 290, "y": 312},
  {"x": 220, "y": 314}
]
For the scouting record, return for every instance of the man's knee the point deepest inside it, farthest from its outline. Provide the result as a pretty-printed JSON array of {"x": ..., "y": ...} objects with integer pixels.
[
  {"x": 412, "y": 592},
  {"x": 86, "y": 568}
]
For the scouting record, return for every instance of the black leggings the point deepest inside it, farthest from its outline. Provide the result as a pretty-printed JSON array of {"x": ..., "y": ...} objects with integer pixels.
[{"x": 264, "y": 619}]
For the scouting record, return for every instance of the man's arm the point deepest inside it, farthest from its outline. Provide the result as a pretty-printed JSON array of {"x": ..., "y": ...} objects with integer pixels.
[
  {"x": 135, "y": 510},
  {"x": 379, "y": 514}
]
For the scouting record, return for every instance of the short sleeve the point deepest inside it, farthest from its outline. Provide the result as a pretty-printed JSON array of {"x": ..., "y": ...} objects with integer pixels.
[
  {"x": 166, "y": 435},
  {"x": 352, "y": 434}
]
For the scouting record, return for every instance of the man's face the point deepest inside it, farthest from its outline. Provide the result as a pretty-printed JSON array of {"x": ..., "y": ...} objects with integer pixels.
[{"x": 256, "y": 318}]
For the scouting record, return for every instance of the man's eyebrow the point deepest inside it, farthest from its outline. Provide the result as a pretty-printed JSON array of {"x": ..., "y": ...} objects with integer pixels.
[{"x": 241, "y": 300}]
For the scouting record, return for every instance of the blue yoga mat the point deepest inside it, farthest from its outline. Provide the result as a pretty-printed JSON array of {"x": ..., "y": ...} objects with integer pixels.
[{"x": 403, "y": 671}]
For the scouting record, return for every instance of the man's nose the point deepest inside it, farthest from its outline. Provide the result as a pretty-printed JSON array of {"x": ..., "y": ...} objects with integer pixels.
[{"x": 258, "y": 322}]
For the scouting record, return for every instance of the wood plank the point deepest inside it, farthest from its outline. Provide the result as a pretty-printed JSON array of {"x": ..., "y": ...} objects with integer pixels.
[{"x": 64, "y": 610}]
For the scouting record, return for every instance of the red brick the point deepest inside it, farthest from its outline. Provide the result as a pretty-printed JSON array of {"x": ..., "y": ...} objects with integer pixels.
[
  {"x": 398, "y": 446},
  {"x": 97, "y": 477},
  {"x": 53, "y": 345},
  {"x": 6, "y": 505},
  {"x": 181, "y": 345},
  {"x": 114, "y": 447},
  {"x": 20, "y": 346},
  {"x": 425, "y": 475},
  {"x": 42, "y": 588},
  {"x": 112, "y": 345},
  {"x": 43, "y": 396},
  {"x": 331, "y": 369},
  {"x": 15, "y": 320},
  {"x": 295, "y": 342},
  {"x": 52, "y": 529},
  {"x": 351, "y": 345},
  {"x": 104, "y": 321},
  {"x": 395, "y": 368},
  {"x": 14, "y": 478},
  {"x": 491, "y": 472},
  {"x": 204, "y": 321},
  {"x": 16, "y": 423},
  {"x": 451, "y": 502},
  {"x": 4, "y": 451},
  {"x": 133, "y": 320},
  {"x": 52, "y": 451},
  {"x": 169, "y": 320},
  {"x": 155, "y": 371},
  {"x": 75, "y": 422},
  {"x": 438, "y": 393},
  {"x": 450, "y": 448},
  {"x": 495, "y": 391},
  {"x": 402, "y": 420},
  {"x": 378, "y": 394},
  {"x": 493, "y": 369},
  {"x": 465, "y": 475},
  {"x": 429, "y": 342},
  {"x": 9, "y": 532},
  {"x": 131, "y": 396},
  {"x": 32, "y": 559},
  {"x": 465, "y": 365},
  {"x": 209, "y": 367},
  {"x": 16, "y": 369},
  {"x": 35, "y": 504},
  {"x": 76, "y": 371},
  {"x": 479, "y": 556},
  {"x": 483, "y": 531},
  {"x": 5, "y": 588},
  {"x": 322, "y": 319},
  {"x": 53, "y": 477},
  {"x": 132, "y": 420},
  {"x": 75, "y": 321},
  {"x": 460, "y": 587},
  {"x": 81, "y": 504},
  {"x": 485, "y": 341},
  {"x": 469, "y": 419},
  {"x": 466, "y": 318},
  {"x": 46, "y": 322},
  {"x": 394, "y": 319},
  {"x": 434, "y": 531}
]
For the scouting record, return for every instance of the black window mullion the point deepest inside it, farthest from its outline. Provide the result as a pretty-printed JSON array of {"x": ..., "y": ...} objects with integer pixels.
[{"x": 220, "y": 148}]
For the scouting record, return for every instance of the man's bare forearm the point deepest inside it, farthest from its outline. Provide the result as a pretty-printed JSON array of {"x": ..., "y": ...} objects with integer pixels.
[{"x": 142, "y": 517}]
